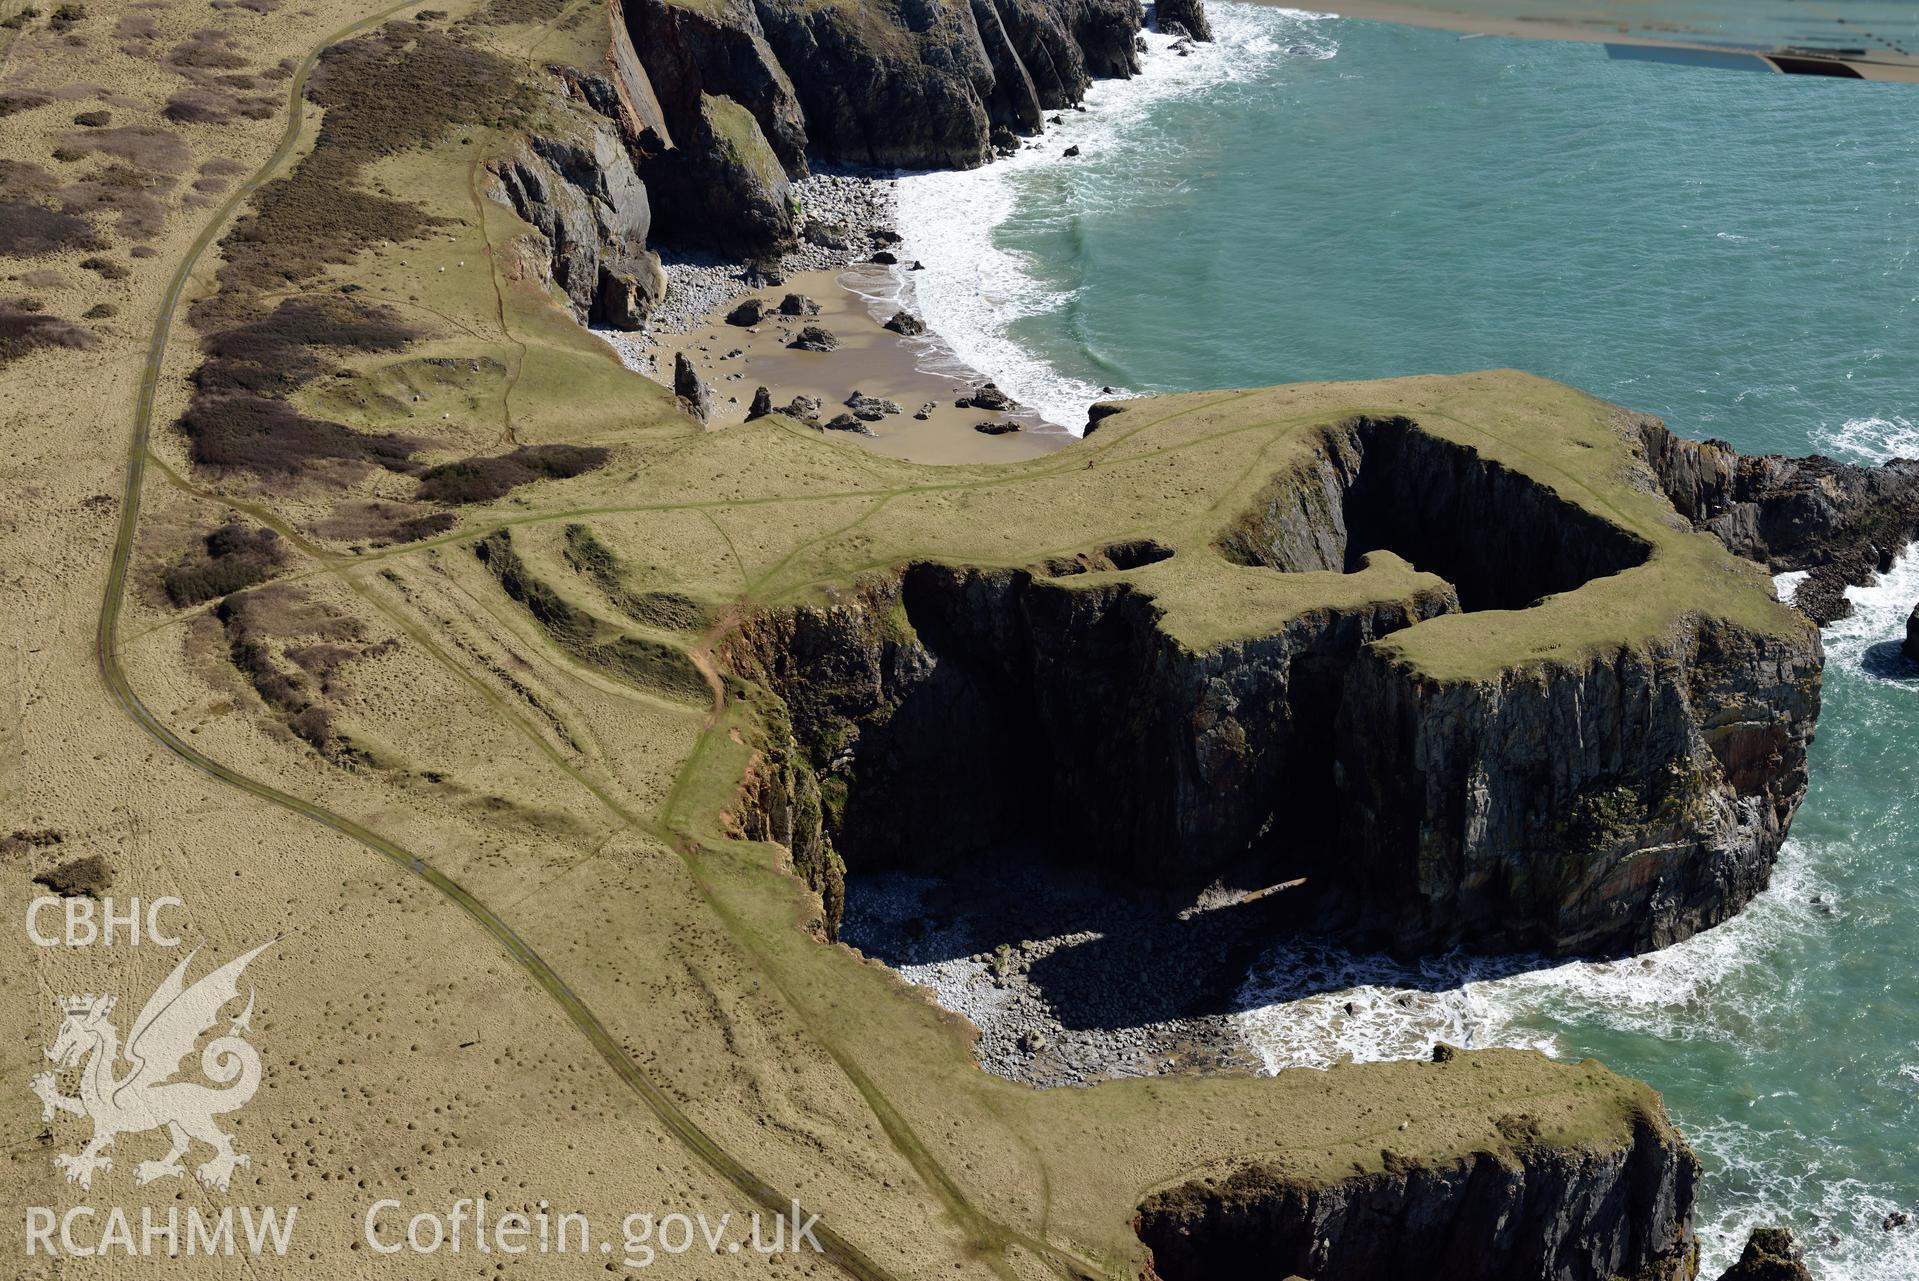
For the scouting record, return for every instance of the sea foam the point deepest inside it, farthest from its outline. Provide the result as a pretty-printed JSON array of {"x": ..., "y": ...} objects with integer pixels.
[
  {"x": 973, "y": 293},
  {"x": 1872, "y": 440}
]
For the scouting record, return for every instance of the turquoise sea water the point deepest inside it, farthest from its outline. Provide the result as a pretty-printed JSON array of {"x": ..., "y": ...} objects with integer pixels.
[{"x": 1316, "y": 198}]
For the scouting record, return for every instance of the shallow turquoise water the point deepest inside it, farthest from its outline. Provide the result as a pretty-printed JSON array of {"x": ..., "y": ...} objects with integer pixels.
[{"x": 1325, "y": 199}]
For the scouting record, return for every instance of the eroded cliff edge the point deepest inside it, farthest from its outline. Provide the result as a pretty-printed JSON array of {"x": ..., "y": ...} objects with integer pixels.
[
  {"x": 1614, "y": 1203},
  {"x": 1840, "y": 522},
  {"x": 732, "y": 99},
  {"x": 1501, "y": 700}
]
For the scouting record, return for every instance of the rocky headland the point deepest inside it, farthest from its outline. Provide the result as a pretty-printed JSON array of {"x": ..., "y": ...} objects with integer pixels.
[
  {"x": 1841, "y": 522},
  {"x": 1403, "y": 684},
  {"x": 1605, "y": 793},
  {"x": 1430, "y": 661}
]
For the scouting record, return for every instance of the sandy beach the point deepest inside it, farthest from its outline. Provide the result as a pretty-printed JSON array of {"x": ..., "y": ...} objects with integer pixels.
[
  {"x": 837, "y": 287},
  {"x": 914, "y": 373}
]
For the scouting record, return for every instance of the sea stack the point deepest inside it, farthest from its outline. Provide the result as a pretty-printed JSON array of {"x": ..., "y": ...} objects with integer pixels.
[
  {"x": 1771, "y": 1254},
  {"x": 1189, "y": 14},
  {"x": 1912, "y": 635},
  {"x": 694, "y": 395}
]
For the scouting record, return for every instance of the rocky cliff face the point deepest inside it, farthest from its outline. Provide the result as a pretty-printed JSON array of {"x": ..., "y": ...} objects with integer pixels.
[
  {"x": 1649, "y": 789},
  {"x": 735, "y": 121},
  {"x": 780, "y": 802},
  {"x": 1533, "y": 1211},
  {"x": 695, "y": 51},
  {"x": 1841, "y": 521},
  {"x": 952, "y": 709},
  {"x": 922, "y": 84},
  {"x": 1614, "y": 802},
  {"x": 577, "y": 186},
  {"x": 720, "y": 104},
  {"x": 925, "y": 85}
]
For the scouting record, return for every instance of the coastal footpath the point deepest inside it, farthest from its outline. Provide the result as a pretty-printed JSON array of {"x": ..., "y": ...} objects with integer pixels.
[{"x": 421, "y": 571}]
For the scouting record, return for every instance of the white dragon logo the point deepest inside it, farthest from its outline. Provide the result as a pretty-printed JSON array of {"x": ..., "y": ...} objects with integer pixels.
[{"x": 173, "y": 1020}]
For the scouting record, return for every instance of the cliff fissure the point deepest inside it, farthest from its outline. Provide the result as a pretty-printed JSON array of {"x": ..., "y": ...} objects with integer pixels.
[
  {"x": 1613, "y": 802},
  {"x": 1501, "y": 539}
]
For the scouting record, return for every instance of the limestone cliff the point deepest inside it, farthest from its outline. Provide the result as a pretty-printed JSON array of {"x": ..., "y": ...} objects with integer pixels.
[
  {"x": 1529, "y": 1210},
  {"x": 1648, "y": 789},
  {"x": 574, "y": 181},
  {"x": 949, "y": 709},
  {"x": 1615, "y": 797},
  {"x": 1842, "y": 521},
  {"x": 930, "y": 84}
]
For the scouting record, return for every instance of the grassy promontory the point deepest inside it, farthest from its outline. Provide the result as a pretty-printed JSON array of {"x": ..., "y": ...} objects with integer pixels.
[{"x": 553, "y": 730}]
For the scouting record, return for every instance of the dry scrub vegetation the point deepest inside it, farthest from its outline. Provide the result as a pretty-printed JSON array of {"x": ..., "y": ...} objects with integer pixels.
[
  {"x": 236, "y": 555},
  {"x": 399, "y": 88},
  {"x": 23, "y": 328}
]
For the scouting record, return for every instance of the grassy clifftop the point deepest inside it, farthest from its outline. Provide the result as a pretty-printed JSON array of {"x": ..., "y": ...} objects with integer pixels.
[{"x": 475, "y": 720}]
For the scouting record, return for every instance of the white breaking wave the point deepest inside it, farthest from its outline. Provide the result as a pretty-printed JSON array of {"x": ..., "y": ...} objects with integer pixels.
[
  {"x": 973, "y": 293},
  {"x": 1879, "y": 613},
  {"x": 1314, "y": 1006},
  {"x": 1869, "y": 440}
]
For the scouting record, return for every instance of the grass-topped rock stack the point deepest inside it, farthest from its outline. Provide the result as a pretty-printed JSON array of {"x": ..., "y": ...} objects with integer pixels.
[{"x": 1438, "y": 646}]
